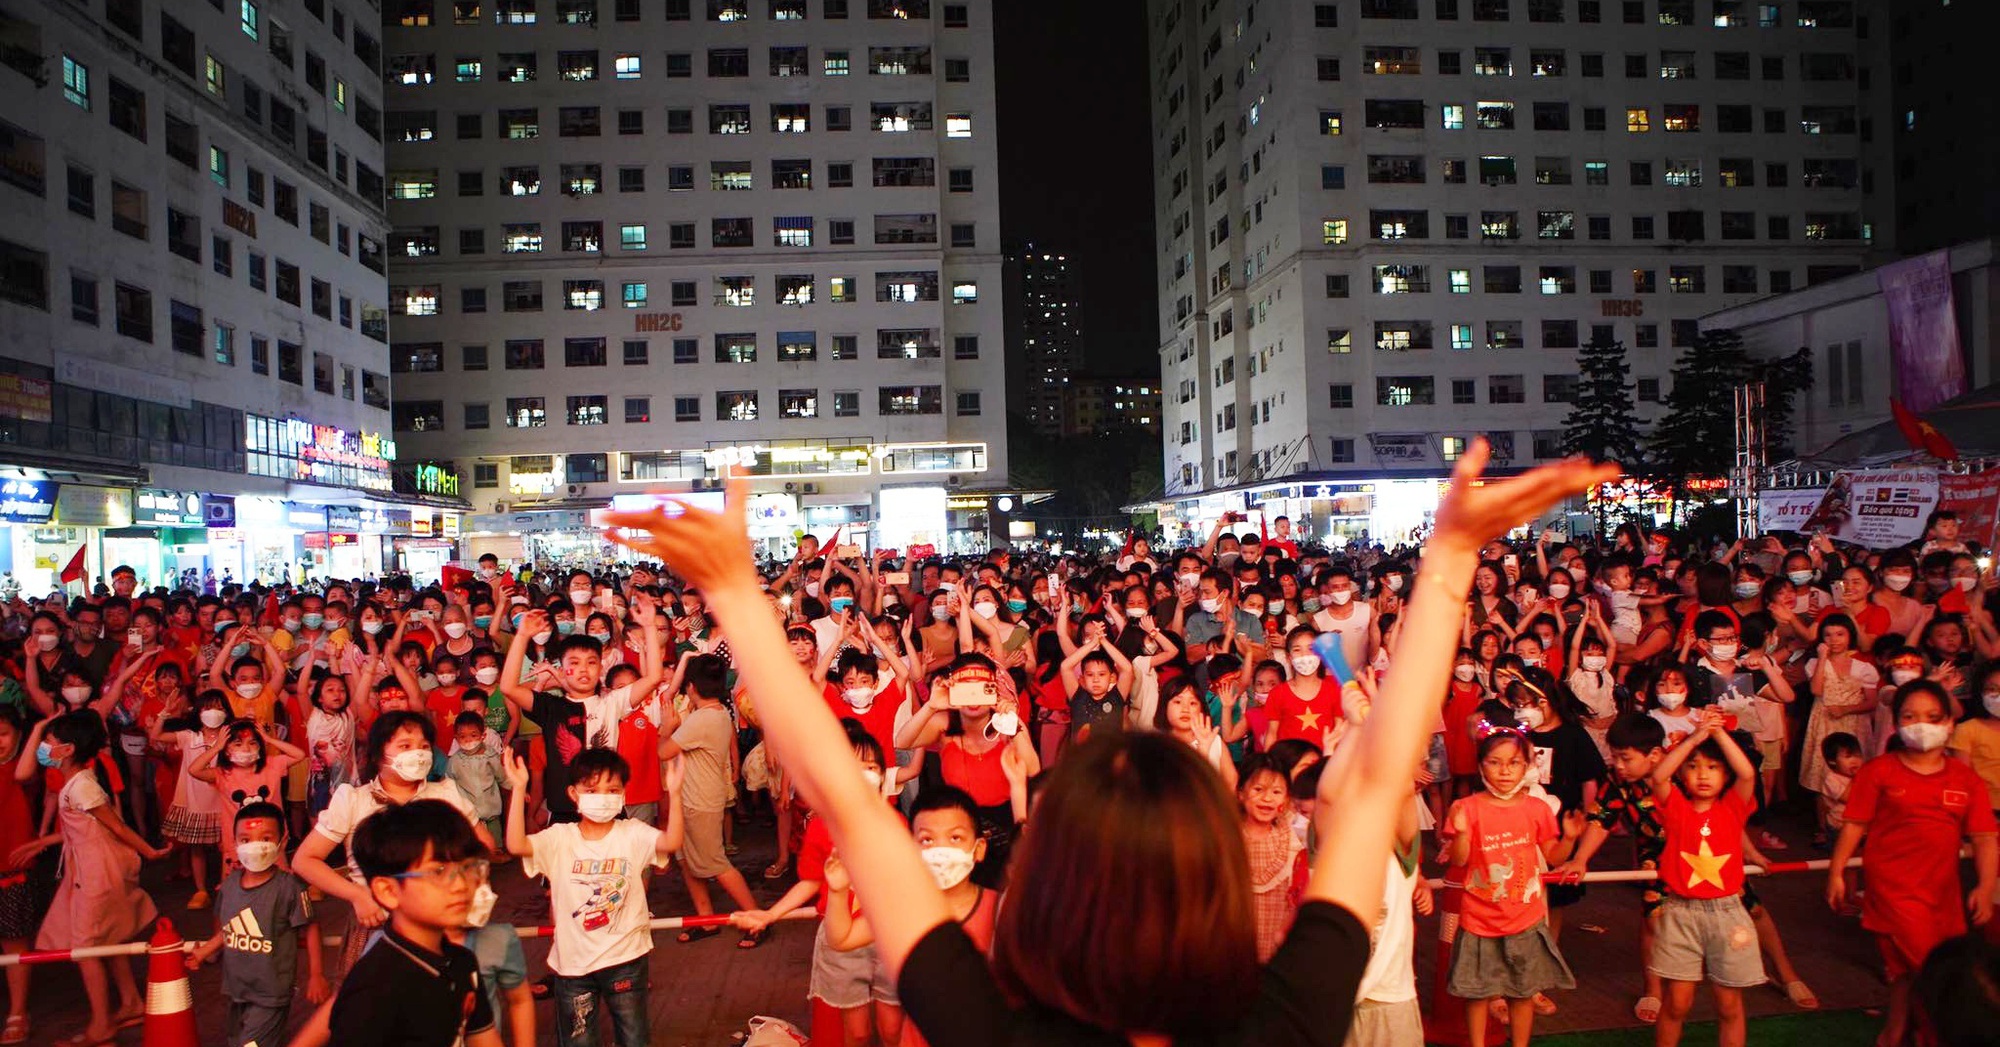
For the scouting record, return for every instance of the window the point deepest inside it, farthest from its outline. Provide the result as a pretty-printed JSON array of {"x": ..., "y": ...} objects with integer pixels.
[
  {"x": 910, "y": 400},
  {"x": 1638, "y": 120},
  {"x": 76, "y": 82},
  {"x": 527, "y": 412},
  {"x": 1405, "y": 390},
  {"x": 1398, "y": 335},
  {"x": 1340, "y": 396},
  {"x": 1492, "y": 61},
  {"x": 586, "y": 410},
  {"x": 133, "y": 310},
  {"x": 736, "y": 406}
]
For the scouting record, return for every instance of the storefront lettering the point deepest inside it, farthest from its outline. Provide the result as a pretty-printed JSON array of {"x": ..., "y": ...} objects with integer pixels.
[
  {"x": 437, "y": 480},
  {"x": 28, "y": 501}
]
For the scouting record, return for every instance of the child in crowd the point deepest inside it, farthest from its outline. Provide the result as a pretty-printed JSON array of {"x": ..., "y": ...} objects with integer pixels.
[
  {"x": 1503, "y": 838},
  {"x": 99, "y": 901},
  {"x": 330, "y": 736},
  {"x": 1264, "y": 791},
  {"x": 1702, "y": 927},
  {"x": 597, "y": 892},
  {"x": 1638, "y": 744},
  {"x": 1385, "y": 1012},
  {"x": 1913, "y": 806},
  {"x": 1670, "y": 703},
  {"x": 1842, "y": 752},
  {"x": 705, "y": 736},
  {"x": 264, "y": 917},
  {"x": 420, "y": 863},
  {"x": 474, "y": 764},
  {"x": 19, "y": 914},
  {"x": 194, "y": 820},
  {"x": 244, "y": 770}
]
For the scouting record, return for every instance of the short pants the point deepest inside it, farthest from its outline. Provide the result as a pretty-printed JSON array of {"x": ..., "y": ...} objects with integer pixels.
[
  {"x": 1712, "y": 939},
  {"x": 846, "y": 980}
]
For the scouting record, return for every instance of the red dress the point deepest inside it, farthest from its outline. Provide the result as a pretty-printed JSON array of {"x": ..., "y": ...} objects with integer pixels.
[
  {"x": 1461, "y": 750},
  {"x": 1915, "y": 823}
]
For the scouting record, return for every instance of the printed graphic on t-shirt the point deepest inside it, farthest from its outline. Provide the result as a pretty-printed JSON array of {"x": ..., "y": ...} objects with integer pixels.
[
  {"x": 1493, "y": 880},
  {"x": 608, "y": 882},
  {"x": 244, "y": 934}
]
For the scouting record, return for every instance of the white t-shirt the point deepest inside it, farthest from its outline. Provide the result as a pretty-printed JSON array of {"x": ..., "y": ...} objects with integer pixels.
[
  {"x": 1390, "y": 976},
  {"x": 596, "y": 893},
  {"x": 1353, "y": 631},
  {"x": 352, "y": 804},
  {"x": 197, "y": 796}
]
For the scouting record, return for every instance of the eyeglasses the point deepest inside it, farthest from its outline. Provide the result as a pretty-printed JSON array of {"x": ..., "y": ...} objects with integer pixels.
[{"x": 471, "y": 871}]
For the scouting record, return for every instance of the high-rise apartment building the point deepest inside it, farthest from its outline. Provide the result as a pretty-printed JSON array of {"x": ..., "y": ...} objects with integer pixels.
[
  {"x": 637, "y": 242},
  {"x": 1386, "y": 226},
  {"x": 192, "y": 290},
  {"x": 1043, "y": 296}
]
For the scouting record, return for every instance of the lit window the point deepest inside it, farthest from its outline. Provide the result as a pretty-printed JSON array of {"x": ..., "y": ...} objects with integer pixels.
[
  {"x": 76, "y": 82},
  {"x": 626, "y": 67},
  {"x": 1461, "y": 282},
  {"x": 1333, "y": 231},
  {"x": 958, "y": 125},
  {"x": 1638, "y": 121},
  {"x": 634, "y": 296},
  {"x": 632, "y": 237},
  {"x": 1461, "y": 336},
  {"x": 1329, "y": 121},
  {"x": 1339, "y": 340},
  {"x": 1454, "y": 117},
  {"x": 964, "y": 292},
  {"x": 525, "y": 238},
  {"x": 836, "y": 63},
  {"x": 252, "y": 19}
]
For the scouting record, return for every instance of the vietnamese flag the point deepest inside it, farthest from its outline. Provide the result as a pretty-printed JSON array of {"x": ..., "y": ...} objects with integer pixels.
[
  {"x": 1922, "y": 435},
  {"x": 73, "y": 571}
]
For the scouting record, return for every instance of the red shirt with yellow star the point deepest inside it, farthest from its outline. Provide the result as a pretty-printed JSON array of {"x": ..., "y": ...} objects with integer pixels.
[
  {"x": 1307, "y": 719},
  {"x": 1704, "y": 849}
]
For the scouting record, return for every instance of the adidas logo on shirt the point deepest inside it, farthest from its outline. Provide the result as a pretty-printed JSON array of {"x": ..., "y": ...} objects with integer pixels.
[{"x": 244, "y": 934}]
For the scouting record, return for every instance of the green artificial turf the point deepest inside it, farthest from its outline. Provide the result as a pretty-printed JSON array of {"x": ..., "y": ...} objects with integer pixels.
[{"x": 1825, "y": 1029}]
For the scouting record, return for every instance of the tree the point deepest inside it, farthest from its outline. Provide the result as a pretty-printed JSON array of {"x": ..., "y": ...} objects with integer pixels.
[
  {"x": 1784, "y": 379},
  {"x": 1601, "y": 422},
  {"x": 1696, "y": 434}
]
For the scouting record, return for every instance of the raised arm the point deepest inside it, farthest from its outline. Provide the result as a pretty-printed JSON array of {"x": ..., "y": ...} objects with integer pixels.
[
  {"x": 518, "y": 694},
  {"x": 712, "y": 551},
  {"x": 1370, "y": 792}
]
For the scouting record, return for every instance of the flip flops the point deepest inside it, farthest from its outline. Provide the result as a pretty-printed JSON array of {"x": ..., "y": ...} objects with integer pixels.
[{"x": 1647, "y": 1009}]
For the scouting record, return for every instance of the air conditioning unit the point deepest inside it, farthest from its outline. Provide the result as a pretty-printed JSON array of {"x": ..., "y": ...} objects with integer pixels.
[
  {"x": 810, "y": 488},
  {"x": 499, "y": 507},
  {"x": 575, "y": 490},
  {"x": 791, "y": 488},
  {"x": 954, "y": 481}
]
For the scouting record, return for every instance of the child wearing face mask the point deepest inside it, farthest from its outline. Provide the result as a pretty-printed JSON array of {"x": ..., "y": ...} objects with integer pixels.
[
  {"x": 265, "y": 918},
  {"x": 99, "y": 901},
  {"x": 444, "y": 702},
  {"x": 474, "y": 764},
  {"x": 249, "y": 767},
  {"x": 1906, "y": 813},
  {"x": 1668, "y": 703},
  {"x": 971, "y": 743},
  {"x": 194, "y": 820},
  {"x": 596, "y": 892},
  {"x": 1979, "y": 736},
  {"x": 503, "y": 966}
]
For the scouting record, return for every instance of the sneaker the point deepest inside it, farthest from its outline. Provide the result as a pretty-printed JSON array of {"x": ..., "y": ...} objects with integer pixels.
[{"x": 200, "y": 900}]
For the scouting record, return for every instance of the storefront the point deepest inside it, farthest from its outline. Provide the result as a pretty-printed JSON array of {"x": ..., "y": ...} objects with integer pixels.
[
  {"x": 1389, "y": 512},
  {"x": 543, "y": 536},
  {"x": 914, "y": 517}
]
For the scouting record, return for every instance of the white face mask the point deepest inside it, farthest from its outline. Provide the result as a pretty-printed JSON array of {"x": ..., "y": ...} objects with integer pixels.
[
  {"x": 1530, "y": 717},
  {"x": 256, "y": 856},
  {"x": 1903, "y": 676},
  {"x": 411, "y": 765},
  {"x": 1558, "y": 591},
  {"x": 986, "y": 610},
  {"x": 873, "y": 777},
  {"x": 1966, "y": 582},
  {"x": 542, "y": 637},
  {"x": 1531, "y": 661},
  {"x": 213, "y": 718},
  {"x": 1722, "y": 652},
  {"x": 1799, "y": 577},
  {"x": 1341, "y": 597},
  {"x": 249, "y": 690},
  {"x": 949, "y": 865},
  {"x": 1188, "y": 581},
  {"x": 1211, "y": 604},
  {"x": 47, "y": 641},
  {"x": 860, "y": 699},
  {"x": 480, "y": 908},
  {"x": 454, "y": 629},
  {"x": 76, "y": 694},
  {"x": 1594, "y": 663},
  {"x": 1465, "y": 672},
  {"x": 1007, "y": 725},
  {"x": 812, "y": 588},
  {"x": 579, "y": 596},
  {"x": 371, "y": 627},
  {"x": 940, "y": 613},
  {"x": 1671, "y": 700},
  {"x": 447, "y": 679},
  {"x": 1394, "y": 582},
  {"x": 1923, "y": 737},
  {"x": 242, "y": 758},
  {"x": 1305, "y": 664},
  {"x": 1896, "y": 582},
  {"x": 600, "y": 807},
  {"x": 486, "y": 675}
]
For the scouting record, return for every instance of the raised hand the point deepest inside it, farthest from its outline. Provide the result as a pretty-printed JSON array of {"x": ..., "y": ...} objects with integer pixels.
[
  {"x": 514, "y": 768},
  {"x": 836, "y": 877},
  {"x": 1472, "y": 512}
]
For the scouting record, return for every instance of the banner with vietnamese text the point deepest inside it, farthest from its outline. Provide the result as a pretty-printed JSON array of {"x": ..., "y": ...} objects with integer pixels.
[{"x": 1877, "y": 508}]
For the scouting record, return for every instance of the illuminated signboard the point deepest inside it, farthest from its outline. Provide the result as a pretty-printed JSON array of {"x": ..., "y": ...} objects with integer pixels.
[
  {"x": 793, "y": 459},
  {"x": 28, "y": 501},
  {"x": 294, "y": 449},
  {"x": 435, "y": 479},
  {"x": 156, "y": 508}
]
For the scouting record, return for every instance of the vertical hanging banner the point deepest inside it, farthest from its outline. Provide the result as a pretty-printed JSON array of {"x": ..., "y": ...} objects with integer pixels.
[
  {"x": 1923, "y": 332},
  {"x": 1975, "y": 497}
]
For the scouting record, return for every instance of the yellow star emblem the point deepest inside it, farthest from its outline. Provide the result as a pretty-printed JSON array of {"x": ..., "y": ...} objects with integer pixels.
[
  {"x": 1309, "y": 721},
  {"x": 1705, "y": 866}
]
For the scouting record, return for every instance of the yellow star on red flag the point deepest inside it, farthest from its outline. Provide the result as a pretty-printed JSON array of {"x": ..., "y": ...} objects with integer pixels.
[{"x": 1309, "y": 721}]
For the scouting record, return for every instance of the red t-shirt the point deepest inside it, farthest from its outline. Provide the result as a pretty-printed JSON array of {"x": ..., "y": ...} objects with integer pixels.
[
  {"x": 639, "y": 744},
  {"x": 444, "y": 704},
  {"x": 813, "y": 852},
  {"x": 1503, "y": 876},
  {"x": 1307, "y": 719},
  {"x": 1704, "y": 855},
  {"x": 880, "y": 719},
  {"x": 1915, "y": 822}
]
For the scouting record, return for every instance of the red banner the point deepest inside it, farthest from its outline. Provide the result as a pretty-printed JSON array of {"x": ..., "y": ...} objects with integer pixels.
[{"x": 1975, "y": 497}]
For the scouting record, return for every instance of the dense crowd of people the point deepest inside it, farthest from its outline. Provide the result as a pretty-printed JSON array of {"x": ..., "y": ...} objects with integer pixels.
[{"x": 1151, "y": 796}]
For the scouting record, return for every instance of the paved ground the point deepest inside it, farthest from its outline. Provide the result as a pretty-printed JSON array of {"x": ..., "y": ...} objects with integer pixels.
[{"x": 705, "y": 991}]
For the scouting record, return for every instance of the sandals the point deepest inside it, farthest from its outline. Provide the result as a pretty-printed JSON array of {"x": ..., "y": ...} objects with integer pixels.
[
  {"x": 1770, "y": 842},
  {"x": 752, "y": 939},
  {"x": 16, "y": 1030},
  {"x": 1544, "y": 1006},
  {"x": 1801, "y": 996},
  {"x": 775, "y": 871},
  {"x": 695, "y": 934},
  {"x": 1647, "y": 1009}
]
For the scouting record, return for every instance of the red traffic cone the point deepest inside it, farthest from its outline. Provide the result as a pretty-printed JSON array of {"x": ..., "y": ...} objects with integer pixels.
[{"x": 169, "y": 999}]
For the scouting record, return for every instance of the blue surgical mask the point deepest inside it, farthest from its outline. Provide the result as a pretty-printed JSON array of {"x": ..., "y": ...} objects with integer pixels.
[
  {"x": 842, "y": 603},
  {"x": 1017, "y": 606},
  {"x": 44, "y": 755},
  {"x": 314, "y": 621},
  {"x": 565, "y": 628},
  {"x": 484, "y": 621},
  {"x": 239, "y": 651}
]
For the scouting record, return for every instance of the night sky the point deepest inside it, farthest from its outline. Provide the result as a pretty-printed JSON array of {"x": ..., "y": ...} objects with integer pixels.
[{"x": 1076, "y": 173}]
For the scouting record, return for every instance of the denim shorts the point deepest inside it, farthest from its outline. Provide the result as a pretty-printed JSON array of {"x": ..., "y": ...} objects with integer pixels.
[{"x": 1711, "y": 938}]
